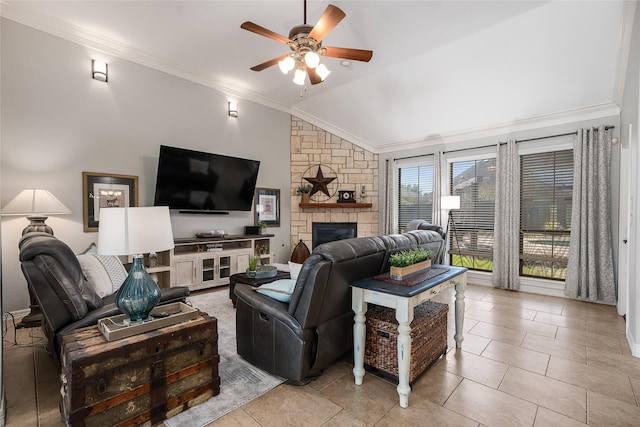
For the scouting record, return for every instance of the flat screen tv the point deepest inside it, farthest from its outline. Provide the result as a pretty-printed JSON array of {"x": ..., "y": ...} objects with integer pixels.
[{"x": 196, "y": 181}]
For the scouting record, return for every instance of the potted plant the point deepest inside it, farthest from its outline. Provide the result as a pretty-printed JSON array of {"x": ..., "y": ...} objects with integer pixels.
[
  {"x": 263, "y": 248},
  {"x": 304, "y": 190},
  {"x": 407, "y": 262},
  {"x": 262, "y": 227},
  {"x": 253, "y": 262}
]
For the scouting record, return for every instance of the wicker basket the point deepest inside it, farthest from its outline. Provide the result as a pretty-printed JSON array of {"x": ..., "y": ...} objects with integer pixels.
[{"x": 428, "y": 339}]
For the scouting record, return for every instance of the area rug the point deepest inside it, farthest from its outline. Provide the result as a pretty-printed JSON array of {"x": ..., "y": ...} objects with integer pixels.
[{"x": 240, "y": 381}]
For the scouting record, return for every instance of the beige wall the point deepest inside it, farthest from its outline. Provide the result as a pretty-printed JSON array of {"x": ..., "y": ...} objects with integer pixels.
[{"x": 354, "y": 168}]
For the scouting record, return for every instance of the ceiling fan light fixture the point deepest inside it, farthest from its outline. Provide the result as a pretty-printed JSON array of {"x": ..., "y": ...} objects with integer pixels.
[
  {"x": 312, "y": 59},
  {"x": 286, "y": 64},
  {"x": 322, "y": 71},
  {"x": 305, "y": 42},
  {"x": 299, "y": 77}
]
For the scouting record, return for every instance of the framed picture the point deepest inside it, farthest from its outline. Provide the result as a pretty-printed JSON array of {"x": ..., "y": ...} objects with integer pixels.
[
  {"x": 102, "y": 191},
  {"x": 267, "y": 206}
]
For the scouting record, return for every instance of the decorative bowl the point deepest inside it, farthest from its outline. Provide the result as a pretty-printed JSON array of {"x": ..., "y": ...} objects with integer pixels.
[{"x": 263, "y": 271}]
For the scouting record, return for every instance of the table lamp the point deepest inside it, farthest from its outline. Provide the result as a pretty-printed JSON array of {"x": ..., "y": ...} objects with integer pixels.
[
  {"x": 135, "y": 231},
  {"x": 36, "y": 205}
]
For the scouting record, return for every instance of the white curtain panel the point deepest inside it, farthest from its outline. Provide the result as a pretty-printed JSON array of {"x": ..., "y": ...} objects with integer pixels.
[
  {"x": 590, "y": 274},
  {"x": 437, "y": 214},
  {"x": 387, "y": 213},
  {"x": 506, "y": 234}
]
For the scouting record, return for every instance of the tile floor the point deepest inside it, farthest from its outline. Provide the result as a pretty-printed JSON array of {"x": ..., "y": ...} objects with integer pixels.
[{"x": 527, "y": 360}]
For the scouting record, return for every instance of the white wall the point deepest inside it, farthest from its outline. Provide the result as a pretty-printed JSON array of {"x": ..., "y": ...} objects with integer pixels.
[
  {"x": 631, "y": 116},
  {"x": 58, "y": 122}
]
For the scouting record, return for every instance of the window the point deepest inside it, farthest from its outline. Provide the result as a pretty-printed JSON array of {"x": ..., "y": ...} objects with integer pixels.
[
  {"x": 472, "y": 243},
  {"x": 415, "y": 194},
  {"x": 546, "y": 186}
]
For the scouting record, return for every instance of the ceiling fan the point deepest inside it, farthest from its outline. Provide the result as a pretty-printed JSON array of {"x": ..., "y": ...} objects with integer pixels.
[{"x": 305, "y": 41}]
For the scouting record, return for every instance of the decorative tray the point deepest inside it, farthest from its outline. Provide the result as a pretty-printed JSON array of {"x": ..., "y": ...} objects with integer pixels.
[
  {"x": 118, "y": 327},
  {"x": 263, "y": 271}
]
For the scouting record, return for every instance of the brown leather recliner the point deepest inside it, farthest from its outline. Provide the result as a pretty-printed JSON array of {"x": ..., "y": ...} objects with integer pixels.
[
  {"x": 60, "y": 287},
  {"x": 297, "y": 340}
]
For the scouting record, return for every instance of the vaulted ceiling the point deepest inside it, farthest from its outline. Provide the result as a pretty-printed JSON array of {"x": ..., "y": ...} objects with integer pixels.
[{"x": 440, "y": 69}]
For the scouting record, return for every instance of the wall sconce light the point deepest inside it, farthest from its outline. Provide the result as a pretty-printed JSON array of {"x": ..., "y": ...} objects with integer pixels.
[
  {"x": 233, "y": 109},
  {"x": 99, "y": 70}
]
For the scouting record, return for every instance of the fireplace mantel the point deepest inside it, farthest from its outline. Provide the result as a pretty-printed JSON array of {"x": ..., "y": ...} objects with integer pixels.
[{"x": 336, "y": 205}]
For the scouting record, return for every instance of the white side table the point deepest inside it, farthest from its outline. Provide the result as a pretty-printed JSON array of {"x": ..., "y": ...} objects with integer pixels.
[{"x": 403, "y": 299}]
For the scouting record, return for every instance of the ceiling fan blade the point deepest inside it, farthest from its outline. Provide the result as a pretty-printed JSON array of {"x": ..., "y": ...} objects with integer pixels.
[
  {"x": 329, "y": 19},
  {"x": 346, "y": 53},
  {"x": 255, "y": 28},
  {"x": 269, "y": 63},
  {"x": 314, "y": 78}
]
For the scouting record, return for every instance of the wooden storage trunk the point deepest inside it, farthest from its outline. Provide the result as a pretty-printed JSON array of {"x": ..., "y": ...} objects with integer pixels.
[
  {"x": 139, "y": 380},
  {"x": 428, "y": 339}
]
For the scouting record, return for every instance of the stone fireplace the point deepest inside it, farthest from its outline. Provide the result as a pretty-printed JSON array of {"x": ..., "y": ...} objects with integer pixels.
[
  {"x": 323, "y": 232},
  {"x": 356, "y": 170}
]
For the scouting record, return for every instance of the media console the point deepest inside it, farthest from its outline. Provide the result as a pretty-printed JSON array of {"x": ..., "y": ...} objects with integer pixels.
[{"x": 201, "y": 263}]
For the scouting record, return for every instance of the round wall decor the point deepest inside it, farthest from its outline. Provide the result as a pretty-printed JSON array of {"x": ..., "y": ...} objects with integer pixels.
[{"x": 324, "y": 182}]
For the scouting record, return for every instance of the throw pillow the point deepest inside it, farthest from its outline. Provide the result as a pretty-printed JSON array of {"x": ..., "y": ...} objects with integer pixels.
[
  {"x": 294, "y": 270},
  {"x": 105, "y": 274},
  {"x": 280, "y": 290},
  {"x": 96, "y": 275},
  {"x": 91, "y": 249},
  {"x": 116, "y": 271}
]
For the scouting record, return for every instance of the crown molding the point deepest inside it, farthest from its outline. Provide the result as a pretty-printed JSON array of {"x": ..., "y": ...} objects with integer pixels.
[
  {"x": 496, "y": 130},
  {"x": 544, "y": 120}
]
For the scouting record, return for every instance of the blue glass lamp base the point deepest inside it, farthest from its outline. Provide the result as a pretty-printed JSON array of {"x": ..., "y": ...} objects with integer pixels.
[{"x": 139, "y": 294}]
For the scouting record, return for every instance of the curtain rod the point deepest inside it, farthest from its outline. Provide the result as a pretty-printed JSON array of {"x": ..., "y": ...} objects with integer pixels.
[
  {"x": 554, "y": 136},
  {"x": 493, "y": 145}
]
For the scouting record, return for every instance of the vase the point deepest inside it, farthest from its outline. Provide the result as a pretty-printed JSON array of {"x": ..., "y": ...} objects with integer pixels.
[
  {"x": 139, "y": 293},
  {"x": 400, "y": 273},
  {"x": 305, "y": 198}
]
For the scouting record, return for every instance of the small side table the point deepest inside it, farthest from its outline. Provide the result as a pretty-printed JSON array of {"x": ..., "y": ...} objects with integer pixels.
[
  {"x": 402, "y": 299},
  {"x": 246, "y": 280}
]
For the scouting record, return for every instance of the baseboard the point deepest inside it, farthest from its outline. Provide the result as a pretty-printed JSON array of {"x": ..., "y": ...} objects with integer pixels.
[
  {"x": 19, "y": 314},
  {"x": 527, "y": 284},
  {"x": 634, "y": 346}
]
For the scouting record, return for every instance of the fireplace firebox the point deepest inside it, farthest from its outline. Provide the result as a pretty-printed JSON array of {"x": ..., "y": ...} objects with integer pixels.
[{"x": 323, "y": 232}]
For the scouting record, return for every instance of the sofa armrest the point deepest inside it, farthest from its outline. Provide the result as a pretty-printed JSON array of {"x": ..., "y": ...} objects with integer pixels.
[{"x": 267, "y": 306}]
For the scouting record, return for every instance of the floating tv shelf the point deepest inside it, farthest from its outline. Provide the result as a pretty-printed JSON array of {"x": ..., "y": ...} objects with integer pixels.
[{"x": 336, "y": 205}]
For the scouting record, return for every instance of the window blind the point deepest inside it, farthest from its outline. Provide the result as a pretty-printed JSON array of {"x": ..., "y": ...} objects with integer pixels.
[
  {"x": 475, "y": 182},
  {"x": 546, "y": 187},
  {"x": 415, "y": 194}
]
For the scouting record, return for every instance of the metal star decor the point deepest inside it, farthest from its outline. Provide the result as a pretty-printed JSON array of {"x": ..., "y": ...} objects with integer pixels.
[{"x": 319, "y": 183}]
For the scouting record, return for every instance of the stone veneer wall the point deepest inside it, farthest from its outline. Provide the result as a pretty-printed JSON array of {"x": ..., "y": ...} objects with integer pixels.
[{"x": 354, "y": 167}]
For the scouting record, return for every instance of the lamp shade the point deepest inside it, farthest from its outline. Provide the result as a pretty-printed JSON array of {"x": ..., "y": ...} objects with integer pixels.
[
  {"x": 450, "y": 202},
  {"x": 131, "y": 231},
  {"x": 35, "y": 202}
]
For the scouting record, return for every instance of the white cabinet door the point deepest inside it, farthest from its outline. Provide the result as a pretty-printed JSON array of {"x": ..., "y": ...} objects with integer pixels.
[
  {"x": 185, "y": 271},
  {"x": 242, "y": 261}
]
